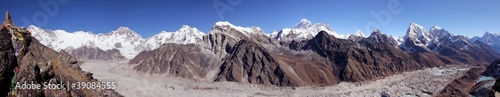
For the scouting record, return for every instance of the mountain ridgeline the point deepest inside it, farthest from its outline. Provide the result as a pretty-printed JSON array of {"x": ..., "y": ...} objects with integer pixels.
[{"x": 247, "y": 55}]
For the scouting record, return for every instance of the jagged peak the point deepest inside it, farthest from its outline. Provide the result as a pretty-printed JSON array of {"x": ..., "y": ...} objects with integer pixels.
[
  {"x": 435, "y": 27},
  {"x": 358, "y": 33},
  {"x": 491, "y": 33},
  {"x": 125, "y": 31},
  {"x": 322, "y": 33},
  {"x": 375, "y": 33},
  {"x": 304, "y": 24},
  {"x": 416, "y": 31},
  {"x": 8, "y": 19},
  {"x": 413, "y": 24}
]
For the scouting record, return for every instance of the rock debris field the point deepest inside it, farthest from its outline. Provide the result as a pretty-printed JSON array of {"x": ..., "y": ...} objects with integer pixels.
[{"x": 131, "y": 83}]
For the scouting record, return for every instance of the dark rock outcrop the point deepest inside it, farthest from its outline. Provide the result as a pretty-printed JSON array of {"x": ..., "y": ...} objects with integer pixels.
[
  {"x": 496, "y": 88},
  {"x": 378, "y": 36},
  {"x": 493, "y": 70},
  {"x": 460, "y": 49},
  {"x": 483, "y": 88},
  {"x": 8, "y": 62},
  {"x": 359, "y": 61}
]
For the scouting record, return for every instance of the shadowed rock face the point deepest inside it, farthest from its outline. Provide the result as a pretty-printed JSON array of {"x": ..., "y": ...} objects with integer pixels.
[
  {"x": 8, "y": 62},
  {"x": 493, "y": 70},
  {"x": 251, "y": 63},
  {"x": 483, "y": 88},
  {"x": 463, "y": 51},
  {"x": 94, "y": 53},
  {"x": 184, "y": 60},
  {"x": 377, "y": 36},
  {"x": 359, "y": 61}
]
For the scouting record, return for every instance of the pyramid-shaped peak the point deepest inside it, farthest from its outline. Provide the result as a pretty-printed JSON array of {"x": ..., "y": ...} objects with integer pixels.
[
  {"x": 304, "y": 23},
  {"x": 125, "y": 31},
  {"x": 376, "y": 32},
  {"x": 187, "y": 28}
]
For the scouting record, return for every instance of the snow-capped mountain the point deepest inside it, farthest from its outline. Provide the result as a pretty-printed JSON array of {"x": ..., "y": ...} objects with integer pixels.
[
  {"x": 224, "y": 26},
  {"x": 437, "y": 34},
  {"x": 417, "y": 34},
  {"x": 378, "y": 36},
  {"x": 416, "y": 39},
  {"x": 184, "y": 35},
  {"x": 491, "y": 39},
  {"x": 304, "y": 30},
  {"x": 127, "y": 41}
]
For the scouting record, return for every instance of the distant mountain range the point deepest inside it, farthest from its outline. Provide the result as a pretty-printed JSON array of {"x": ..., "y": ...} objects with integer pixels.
[
  {"x": 304, "y": 55},
  {"x": 123, "y": 41}
]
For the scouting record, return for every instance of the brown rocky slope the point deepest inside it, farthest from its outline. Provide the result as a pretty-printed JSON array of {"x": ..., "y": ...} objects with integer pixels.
[
  {"x": 251, "y": 63},
  {"x": 40, "y": 65},
  {"x": 234, "y": 55}
]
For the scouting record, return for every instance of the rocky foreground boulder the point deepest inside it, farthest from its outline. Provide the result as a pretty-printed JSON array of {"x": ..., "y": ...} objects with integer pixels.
[{"x": 484, "y": 88}]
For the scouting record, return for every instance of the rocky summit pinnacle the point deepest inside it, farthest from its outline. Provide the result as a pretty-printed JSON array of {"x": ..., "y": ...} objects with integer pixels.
[{"x": 8, "y": 19}]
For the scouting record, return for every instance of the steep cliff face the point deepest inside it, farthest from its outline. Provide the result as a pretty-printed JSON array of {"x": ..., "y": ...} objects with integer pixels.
[
  {"x": 493, "y": 70},
  {"x": 8, "y": 62}
]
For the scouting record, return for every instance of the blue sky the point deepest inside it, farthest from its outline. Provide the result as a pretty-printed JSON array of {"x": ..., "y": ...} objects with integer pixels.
[{"x": 460, "y": 17}]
